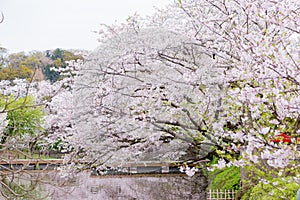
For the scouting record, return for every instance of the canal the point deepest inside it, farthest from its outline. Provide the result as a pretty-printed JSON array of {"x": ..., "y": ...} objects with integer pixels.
[{"x": 50, "y": 185}]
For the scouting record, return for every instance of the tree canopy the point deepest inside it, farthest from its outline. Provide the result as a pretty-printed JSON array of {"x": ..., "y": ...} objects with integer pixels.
[
  {"x": 27, "y": 65},
  {"x": 200, "y": 79},
  {"x": 210, "y": 78}
]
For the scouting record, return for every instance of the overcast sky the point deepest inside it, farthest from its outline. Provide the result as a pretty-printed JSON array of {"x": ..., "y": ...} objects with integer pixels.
[{"x": 68, "y": 24}]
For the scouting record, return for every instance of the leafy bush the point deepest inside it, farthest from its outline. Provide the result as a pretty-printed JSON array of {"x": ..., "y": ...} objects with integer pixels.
[
  {"x": 276, "y": 189},
  {"x": 24, "y": 117},
  {"x": 227, "y": 178}
]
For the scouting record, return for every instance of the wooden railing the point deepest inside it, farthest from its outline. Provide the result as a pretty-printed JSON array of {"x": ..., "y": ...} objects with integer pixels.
[{"x": 221, "y": 195}]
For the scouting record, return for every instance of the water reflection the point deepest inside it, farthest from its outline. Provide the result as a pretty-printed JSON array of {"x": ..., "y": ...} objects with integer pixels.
[
  {"x": 49, "y": 185},
  {"x": 17, "y": 185},
  {"x": 166, "y": 187}
]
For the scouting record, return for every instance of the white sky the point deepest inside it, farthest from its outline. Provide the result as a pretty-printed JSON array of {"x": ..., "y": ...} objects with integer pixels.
[{"x": 67, "y": 24}]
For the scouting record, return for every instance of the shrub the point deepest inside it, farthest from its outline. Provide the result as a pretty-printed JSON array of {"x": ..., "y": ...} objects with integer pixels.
[
  {"x": 227, "y": 178},
  {"x": 275, "y": 189}
]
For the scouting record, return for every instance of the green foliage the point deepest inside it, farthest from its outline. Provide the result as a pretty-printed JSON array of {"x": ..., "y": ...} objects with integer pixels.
[
  {"x": 252, "y": 176},
  {"x": 7, "y": 74},
  {"x": 57, "y": 54},
  {"x": 50, "y": 74},
  {"x": 21, "y": 65},
  {"x": 56, "y": 145},
  {"x": 59, "y": 58},
  {"x": 22, "y": 72},
  {"x": 15, "y": 60},
  {"x": 67, "y": 56},
  {"x": 24, "y": 118},
  {"x": 276, "y": 189},
  {"x": 32, "y": 61},
  {"x": 227, "y": 178}
]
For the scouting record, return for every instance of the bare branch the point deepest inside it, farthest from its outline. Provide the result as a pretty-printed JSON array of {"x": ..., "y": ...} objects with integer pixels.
[{"x": 2, "y": 18}]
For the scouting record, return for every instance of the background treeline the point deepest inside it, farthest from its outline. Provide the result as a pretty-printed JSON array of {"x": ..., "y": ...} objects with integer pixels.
[{"x": 37, "y": 64}]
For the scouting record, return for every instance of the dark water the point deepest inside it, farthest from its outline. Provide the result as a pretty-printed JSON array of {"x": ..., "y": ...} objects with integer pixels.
[{"x": 137, "y": 187}]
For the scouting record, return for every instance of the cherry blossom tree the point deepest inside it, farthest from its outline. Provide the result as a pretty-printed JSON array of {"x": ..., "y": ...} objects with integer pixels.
[
  {"x": 55, "y": 98},
  {"x": 257, "y": 42},
  {"x": 22, "y": 130},
  {"x": 144, "y": 90},
  {"x": 3, "y": 122},
  {"x": 201, "y": 78},
  {"x": 23, "y": 103}
]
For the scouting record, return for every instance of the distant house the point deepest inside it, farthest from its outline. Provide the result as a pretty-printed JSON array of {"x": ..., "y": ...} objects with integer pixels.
[{"x": 38, "y": 74}]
